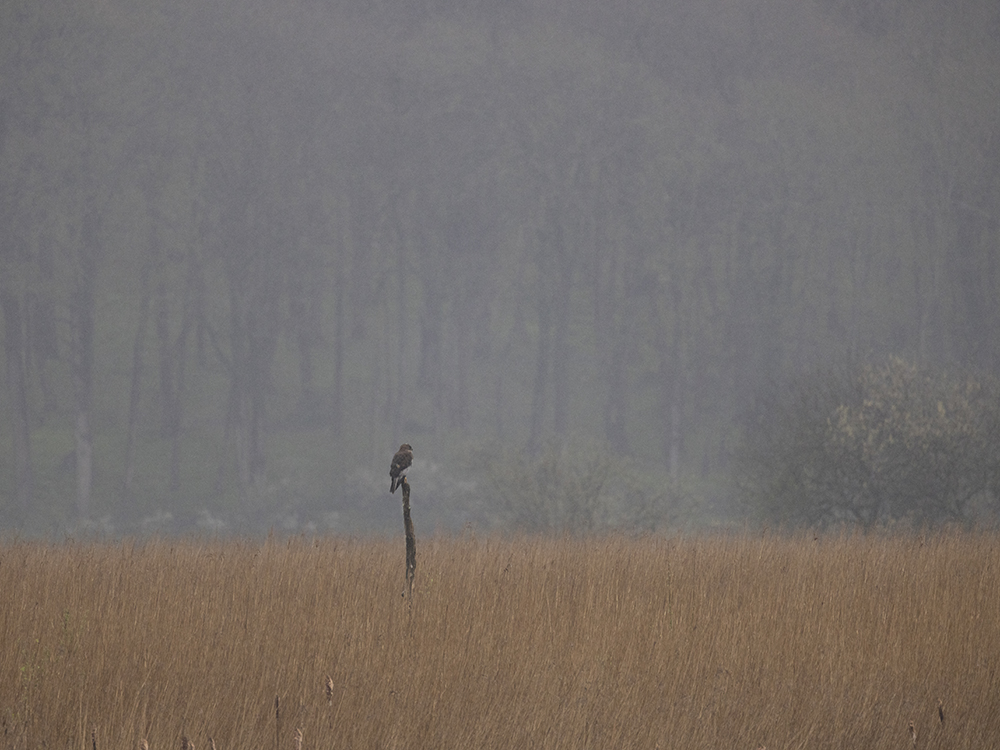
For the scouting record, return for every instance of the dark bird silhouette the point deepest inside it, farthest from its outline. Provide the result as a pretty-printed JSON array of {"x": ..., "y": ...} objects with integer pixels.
[{"x": 400, "y": 463}]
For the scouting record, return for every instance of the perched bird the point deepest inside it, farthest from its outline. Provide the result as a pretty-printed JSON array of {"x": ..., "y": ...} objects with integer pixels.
[{"x": 400, "y": 463}]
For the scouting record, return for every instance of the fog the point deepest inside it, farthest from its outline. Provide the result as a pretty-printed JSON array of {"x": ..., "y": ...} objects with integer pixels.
[{"x": 247, "y": 249}]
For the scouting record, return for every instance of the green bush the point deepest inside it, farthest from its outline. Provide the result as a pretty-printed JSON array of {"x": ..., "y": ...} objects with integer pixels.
[{"x": 575, "y": 488}]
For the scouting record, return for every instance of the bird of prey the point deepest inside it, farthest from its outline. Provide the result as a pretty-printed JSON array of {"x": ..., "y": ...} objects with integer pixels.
[{"x": 400, "y": 463}]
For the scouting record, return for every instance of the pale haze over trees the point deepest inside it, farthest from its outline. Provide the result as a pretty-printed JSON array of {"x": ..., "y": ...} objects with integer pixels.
[{"x": 249, "y": 248}]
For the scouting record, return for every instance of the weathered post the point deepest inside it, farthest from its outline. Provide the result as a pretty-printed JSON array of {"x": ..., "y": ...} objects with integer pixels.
[{"x": 411, "y": 541}]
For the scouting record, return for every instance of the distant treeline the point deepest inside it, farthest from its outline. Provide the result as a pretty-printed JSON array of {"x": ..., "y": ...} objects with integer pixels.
[{"x": 224, "y": 224}]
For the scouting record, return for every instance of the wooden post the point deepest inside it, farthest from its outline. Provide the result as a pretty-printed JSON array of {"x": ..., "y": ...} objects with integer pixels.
[
  {"x": 277, "y": 722},
  {"x": 411, "y": 541}
]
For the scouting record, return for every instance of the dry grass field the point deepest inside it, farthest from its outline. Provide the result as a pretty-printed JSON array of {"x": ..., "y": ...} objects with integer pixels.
[{"x": 713, "y": 642}]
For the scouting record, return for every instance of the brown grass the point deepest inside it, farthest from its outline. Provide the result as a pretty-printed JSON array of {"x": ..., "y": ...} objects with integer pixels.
[{"x": 730, "y": 642}]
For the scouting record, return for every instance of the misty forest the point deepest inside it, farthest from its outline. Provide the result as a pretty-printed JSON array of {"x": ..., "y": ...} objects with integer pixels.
[{"x": 632, "y": 264}]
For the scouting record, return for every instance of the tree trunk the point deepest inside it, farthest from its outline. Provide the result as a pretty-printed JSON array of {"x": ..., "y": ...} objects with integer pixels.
[
  {"x": 178, "y": 363},
  {"x": 338, "y": 346},
  {"x": 305, "y": 309},
  {"x": 459, "y": 401},
  {"x": 84, "y": 461},
  {"x": 179, "y": 357},
  {"x": 538, "y": 396},
  {"x": 166, "y": 366},
  {"x": 237, "y": 416},
  {"x": 43, "y": 338},
  {"x": 671, "y": 374},
  {"x": 610, "y": 328},
  {"x": 560, "y": 344},
  {"x": 82, "y": 321},
  {"x": 138, "y": 349},
  {"x": 253, "y": 344},
  {"x": 615, "y": 405},
  {"x": 15, "y": 352}
]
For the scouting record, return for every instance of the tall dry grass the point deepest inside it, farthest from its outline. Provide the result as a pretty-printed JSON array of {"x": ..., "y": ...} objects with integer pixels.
[{"x": 729, "y": 642}]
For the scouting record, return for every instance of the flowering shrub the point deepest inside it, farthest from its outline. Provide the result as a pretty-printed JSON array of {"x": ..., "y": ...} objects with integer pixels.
[{"x": 876, "y": 443}]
